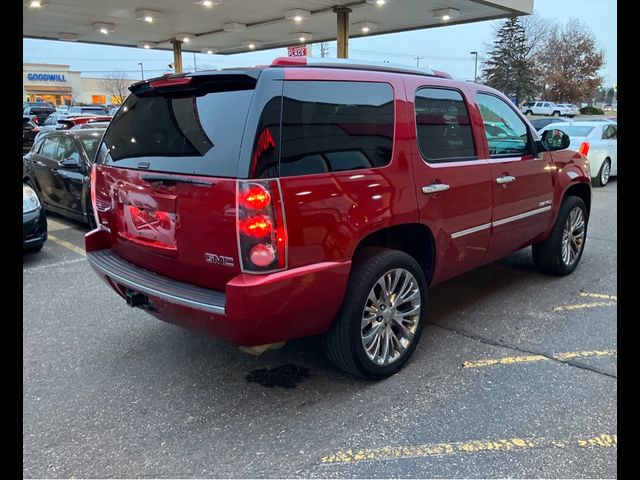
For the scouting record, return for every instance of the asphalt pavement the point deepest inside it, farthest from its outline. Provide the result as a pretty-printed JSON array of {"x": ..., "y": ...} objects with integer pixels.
[{"x": 515, "y": 376}]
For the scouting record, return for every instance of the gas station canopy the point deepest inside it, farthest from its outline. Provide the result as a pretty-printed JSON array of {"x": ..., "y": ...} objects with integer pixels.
[{"x": 234, "y": 26}]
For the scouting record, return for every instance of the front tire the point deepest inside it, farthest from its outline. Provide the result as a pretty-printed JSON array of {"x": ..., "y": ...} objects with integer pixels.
[
  {"x": 382, "y": 315},
  {"x": 555, "y": 114},
  {"x": 560, "y": 253},
  {"x": 603, "y": 175}
]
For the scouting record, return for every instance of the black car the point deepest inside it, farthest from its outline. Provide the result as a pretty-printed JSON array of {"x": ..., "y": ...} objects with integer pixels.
[
  {"x": 540, "y": 123},
  {"x": 29, "y": 132},
  {"x": 58, "y": 168},
  {"x": 34, "y": 221},
  {"x": 39, "y": 112}
]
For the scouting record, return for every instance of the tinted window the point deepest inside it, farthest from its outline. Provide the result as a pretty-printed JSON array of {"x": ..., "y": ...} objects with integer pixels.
[
  {"x": 609, "y": 132},
  {"x": 335, "y": 126},
  {"x": 181, "y": 133},
  {"x": 49, "y": 147},
  {"x": 91, "y": 145},
  {"x": 443, "y": 127},
  {"x": 67, "y": 149},
  {"x": 506, "y": 132}
]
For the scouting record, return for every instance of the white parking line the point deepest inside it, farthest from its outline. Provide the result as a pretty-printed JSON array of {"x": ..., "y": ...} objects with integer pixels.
[{"x": 52, "y": 265}]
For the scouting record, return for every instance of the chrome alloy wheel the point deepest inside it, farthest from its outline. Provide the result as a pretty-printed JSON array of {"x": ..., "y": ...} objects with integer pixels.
[
  {"x": 390, "y": 317},
  {"x": 573, "y": 236},
  {"x": 606, "y": 173}
]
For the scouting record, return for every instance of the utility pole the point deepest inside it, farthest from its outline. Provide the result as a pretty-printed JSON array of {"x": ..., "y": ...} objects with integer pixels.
[
  {"x": 194, "y": 62},
  {"x": 418, "y": 60},
  {"x": 324, "y": 49},
  {"x": 475, "y": 71},
  {"x": 141, "y": 70}
]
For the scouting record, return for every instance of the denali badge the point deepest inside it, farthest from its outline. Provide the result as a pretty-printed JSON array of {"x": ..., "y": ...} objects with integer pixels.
[{"x": 218, "y": 259}]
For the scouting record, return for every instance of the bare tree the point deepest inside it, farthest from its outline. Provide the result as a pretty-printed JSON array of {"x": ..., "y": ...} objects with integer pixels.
[
  {"x": 117, "y": 85},
  {"x": 570, "y": 63}
]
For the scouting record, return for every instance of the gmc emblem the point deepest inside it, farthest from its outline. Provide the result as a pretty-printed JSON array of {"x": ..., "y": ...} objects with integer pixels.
[{"x": 218, "y": 259}]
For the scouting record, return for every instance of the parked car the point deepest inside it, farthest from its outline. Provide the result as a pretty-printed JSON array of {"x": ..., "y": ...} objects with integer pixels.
[
  {"x": 34, "y": 221},
  {"x": 57, "y": 168},
  {"x": 114, "y": 110},
  {"x": 29, "y": 132},
  {"x": 295, "y": 200},
  {"x": 62, "y": 109},
  {"x": 540, "y": 123},
  {"x": 569, "y": 109},
  {"x": 598, "y": 141},
  {"x": 38, "y": 112},
  {"x": 67, "y": 123},
  {"x": 88, "y": 110},
  {"x": 542, "y": 108}
]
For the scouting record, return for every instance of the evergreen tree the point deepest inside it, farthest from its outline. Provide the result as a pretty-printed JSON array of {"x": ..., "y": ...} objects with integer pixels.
[{"x": 509, "y": 67}]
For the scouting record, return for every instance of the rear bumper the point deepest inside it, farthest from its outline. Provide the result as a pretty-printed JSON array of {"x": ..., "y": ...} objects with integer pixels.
[{"x": 253, "y": 310}]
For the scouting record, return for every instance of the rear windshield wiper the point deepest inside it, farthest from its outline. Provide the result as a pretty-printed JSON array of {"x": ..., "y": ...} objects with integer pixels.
[{"x": 173, "y": 180}]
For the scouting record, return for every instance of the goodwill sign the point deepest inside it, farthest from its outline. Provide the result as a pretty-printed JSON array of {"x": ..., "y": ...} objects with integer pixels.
[{"x": 46, "y": 77}]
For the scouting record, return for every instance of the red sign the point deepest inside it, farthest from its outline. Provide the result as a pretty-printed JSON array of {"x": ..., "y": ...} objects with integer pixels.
[{"x": 297, "y": 51}]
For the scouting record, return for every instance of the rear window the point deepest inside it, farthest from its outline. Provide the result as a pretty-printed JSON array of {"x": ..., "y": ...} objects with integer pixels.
[
  {"x": 574, "y": 131},
  {"x": 93, "y": 110},
  {"x": 186, "y": 133},
  {"x": 335, "y": 126}
]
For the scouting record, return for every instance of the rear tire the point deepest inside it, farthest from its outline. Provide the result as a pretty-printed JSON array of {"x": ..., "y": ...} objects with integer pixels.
[
  {"x": 375, "y": 333},
  {"x": 560, "y": 253},
  {"x": 603, "y": 175}
]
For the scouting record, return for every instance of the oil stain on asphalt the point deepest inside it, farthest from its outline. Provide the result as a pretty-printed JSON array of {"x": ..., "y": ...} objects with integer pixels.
[{"x": 285, "y": 376}]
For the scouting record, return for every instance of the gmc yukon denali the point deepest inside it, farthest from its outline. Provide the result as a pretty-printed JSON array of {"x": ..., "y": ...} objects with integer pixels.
[{"x": 308, "y": 197}]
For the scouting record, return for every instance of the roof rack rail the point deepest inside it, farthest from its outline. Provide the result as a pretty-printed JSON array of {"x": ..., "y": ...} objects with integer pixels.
[{"x": 355, "y": 64}]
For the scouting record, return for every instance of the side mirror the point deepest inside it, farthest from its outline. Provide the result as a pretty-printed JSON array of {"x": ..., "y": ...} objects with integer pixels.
[
  {"x": 70, "y": 162},
  {"x": 555, "y": 139}
]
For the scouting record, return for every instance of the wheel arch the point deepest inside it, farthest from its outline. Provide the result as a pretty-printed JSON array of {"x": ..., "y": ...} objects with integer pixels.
[{"x": 409, "y": 238}]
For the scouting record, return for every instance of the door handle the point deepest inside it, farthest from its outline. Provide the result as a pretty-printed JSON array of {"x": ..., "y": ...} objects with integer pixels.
[
  {"x": 505, "y": 179},
  {"x": 435, "y": 188}
]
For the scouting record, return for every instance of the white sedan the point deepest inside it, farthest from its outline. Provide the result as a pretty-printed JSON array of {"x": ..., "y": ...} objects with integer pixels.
[{"x": 596, "y": 140}]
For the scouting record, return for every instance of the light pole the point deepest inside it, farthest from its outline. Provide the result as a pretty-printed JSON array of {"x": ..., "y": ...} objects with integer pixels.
[
  {"x": 475, "y": 71},
  {"x": 141, "y": 70}
]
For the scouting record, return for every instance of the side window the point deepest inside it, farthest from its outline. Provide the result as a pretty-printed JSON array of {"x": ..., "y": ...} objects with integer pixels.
[
  {"x": 507, "y": 134},
  {"x": 335, "y": 126},
  {"x": 443, "y": 126},
  {"x": 67, "y": 149},
  {"x": 49, "y": 147},
  {"x": 609, "y": 132}
]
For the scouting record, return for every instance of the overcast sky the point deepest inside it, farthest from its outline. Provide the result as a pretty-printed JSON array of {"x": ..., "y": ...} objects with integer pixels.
[{"x": 96, "y": 60}]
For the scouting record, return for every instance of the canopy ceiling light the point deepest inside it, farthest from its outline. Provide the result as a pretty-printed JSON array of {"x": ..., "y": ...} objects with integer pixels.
[
  {"x": 234, "y": 27},
  {"x": 146, "y": 45},
  {"x": 104, "y": 28},
  {"x": 185, "y": 37},
  {"x": 251, "y": 45},
  {"x": 208, "y": 3},
  {"x": 68, "y": 36},
  {"x": 446, "y": 14},
  {"x": 377, "y": 2},
  {"x": 37, "y": 3},
  {"x": 147, "y": 15},
  {"x": 302, "y": 37},
  {"x": 209, "y": 51},
  {"x": 365, "y": 27},
  {"x": 297, "y": 15}
]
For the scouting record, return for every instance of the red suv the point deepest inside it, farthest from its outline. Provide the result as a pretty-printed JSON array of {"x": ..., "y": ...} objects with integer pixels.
[{"x": 265, "y": 204}]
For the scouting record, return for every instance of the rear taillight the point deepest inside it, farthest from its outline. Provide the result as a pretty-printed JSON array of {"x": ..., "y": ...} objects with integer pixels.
[
  {"x": 262, "y": 236},
  {"x": 35, "y": 120},
  {"x": 584, "y": 149},
  {"x": 92, "y": 186}
]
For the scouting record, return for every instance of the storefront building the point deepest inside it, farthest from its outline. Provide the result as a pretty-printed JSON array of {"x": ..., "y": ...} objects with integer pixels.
[{"x": 59, "y": 85}]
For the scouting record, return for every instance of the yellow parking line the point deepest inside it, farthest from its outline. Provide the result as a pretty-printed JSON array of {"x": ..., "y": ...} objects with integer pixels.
[
  {"x": 583, "y": 305},
  {"x": 67, "y": 245},
  {"x": 537, "y": 358},
  {"x": 477, "y": 446},
  {"x": 599, "y": 295}
]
